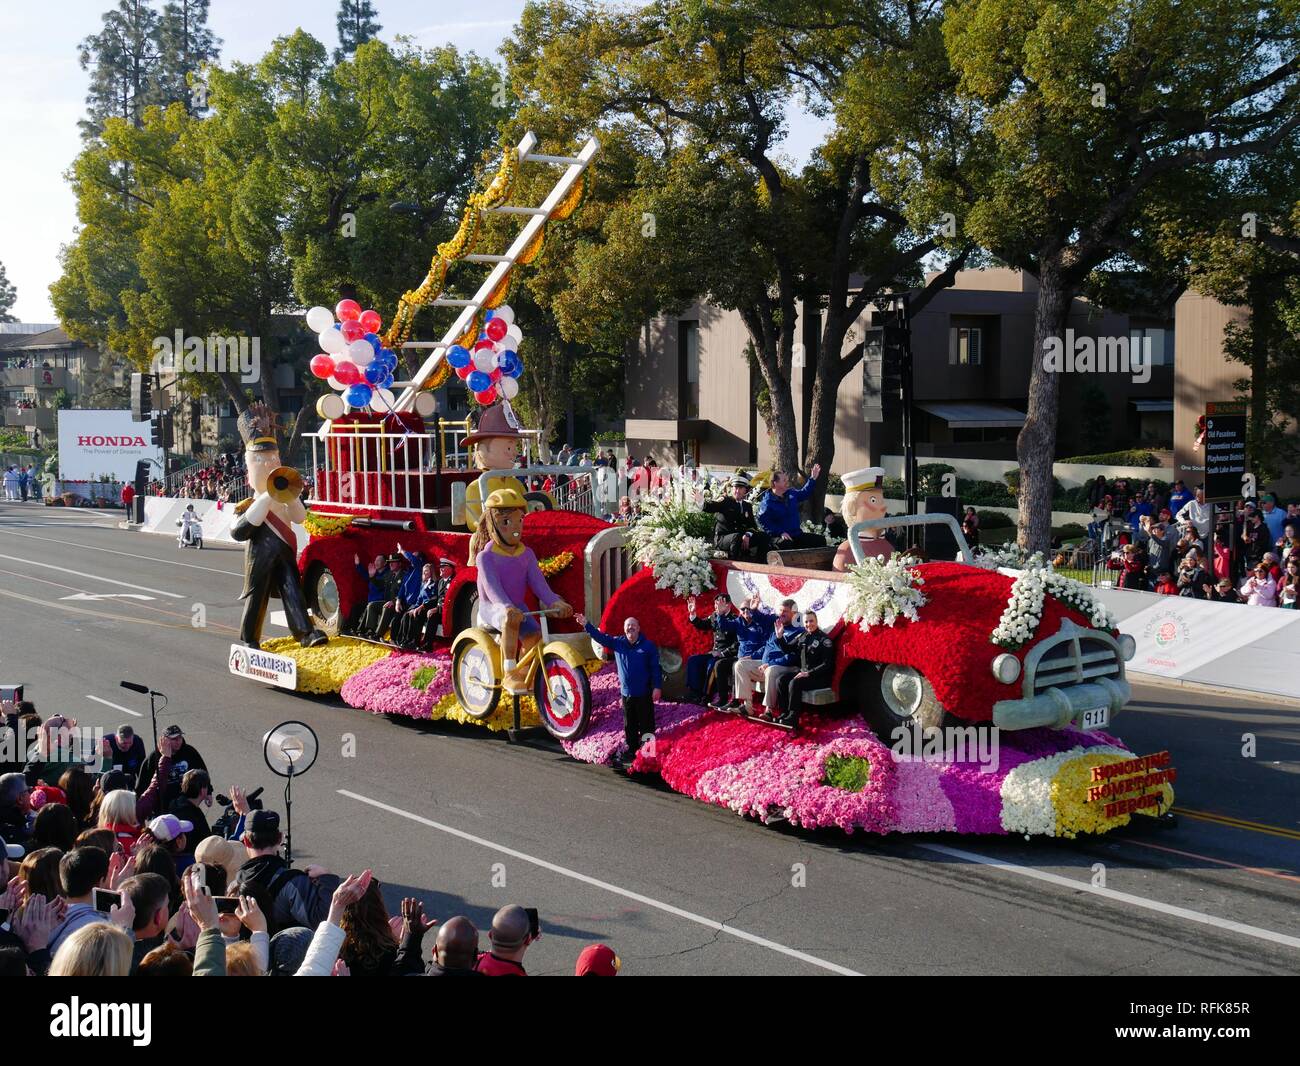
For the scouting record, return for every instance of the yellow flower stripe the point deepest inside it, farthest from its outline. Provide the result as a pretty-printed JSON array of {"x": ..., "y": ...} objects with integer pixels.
[
  {"x": 324, "y": 668},
  {"x": 502, "y": 718}
]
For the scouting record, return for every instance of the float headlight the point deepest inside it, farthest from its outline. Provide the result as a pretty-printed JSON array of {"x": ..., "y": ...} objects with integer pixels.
[
  {"x": 1006, "y": 668},
  {"x": 1127, "y": 646}
]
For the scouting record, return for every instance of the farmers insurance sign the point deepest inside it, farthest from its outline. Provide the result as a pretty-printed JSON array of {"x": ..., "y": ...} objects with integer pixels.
[{"x": 93, "y": 443}]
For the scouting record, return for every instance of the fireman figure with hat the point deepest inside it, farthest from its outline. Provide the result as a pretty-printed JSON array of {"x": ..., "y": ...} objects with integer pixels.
[
  {"x": 265, "y": 523},
  {"x": 496, "y": 444},
  {"x": 864, "y": 499},
  {"x": 507, "y": 571}
]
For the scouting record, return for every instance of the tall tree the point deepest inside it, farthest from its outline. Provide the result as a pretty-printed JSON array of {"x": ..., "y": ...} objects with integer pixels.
[
  {"x": 357, "y": 23},
  {"x": 122, "y": 59},
  {"x": 8, "y": 294},
  {"x": 695, "y": 196},
  {"x": 1100, "y": 121},
  {"x": 185, "y": 44}
]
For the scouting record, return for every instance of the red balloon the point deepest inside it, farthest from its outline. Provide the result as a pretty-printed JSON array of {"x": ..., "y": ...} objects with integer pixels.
[
  {"x": 348, "y": 373},
  {"x": 347, "y": 311},
  {"x": 483, "y": 345},
  {"x": 496, "y": 328},
  {"x": 486, "y": 396},
  {"x": 465, "y": 371},
  {"x": 352, "y": 331},
  {"x": 370, "y": 321},
  {"x": 322, "y": 366},
  {"x": 495, "y": 375}
]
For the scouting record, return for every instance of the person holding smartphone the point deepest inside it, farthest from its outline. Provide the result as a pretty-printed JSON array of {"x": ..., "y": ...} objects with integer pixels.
[{"x": 87, "y": 886}]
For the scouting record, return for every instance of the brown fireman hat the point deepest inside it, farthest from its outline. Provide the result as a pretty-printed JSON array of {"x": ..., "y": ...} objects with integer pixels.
[{"x": 496, "y": 421}]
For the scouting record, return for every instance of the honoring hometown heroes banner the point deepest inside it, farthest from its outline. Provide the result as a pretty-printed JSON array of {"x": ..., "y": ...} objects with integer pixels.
[{"x": 95, "y": 443}]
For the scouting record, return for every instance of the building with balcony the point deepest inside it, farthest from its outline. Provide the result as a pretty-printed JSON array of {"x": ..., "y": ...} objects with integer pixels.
[
  {"x": 690, "y": 390},
  {"x": 39, "y": 372}
]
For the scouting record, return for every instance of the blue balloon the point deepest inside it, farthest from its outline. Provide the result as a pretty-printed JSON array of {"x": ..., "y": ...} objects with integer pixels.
[
  {"x": 488, "y": 316},
  {"x": 360, "y": 395},
  {"x": 511, "y": 365},
  {"x": 457, "y": 356},
  {"x": 375, "y": 342},
  {"x": 338, "y": 325},
  {"x": 478, "y": 381},
  {"x": 386, "y": 382},
  {"x": 375, "y": 373},
  {"x": 388, "y": 355}
]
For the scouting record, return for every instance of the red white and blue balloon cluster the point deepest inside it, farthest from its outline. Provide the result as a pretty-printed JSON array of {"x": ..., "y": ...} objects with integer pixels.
[
  {"x": 492, "y": 367},
  {"x": 353, "y": 359}
]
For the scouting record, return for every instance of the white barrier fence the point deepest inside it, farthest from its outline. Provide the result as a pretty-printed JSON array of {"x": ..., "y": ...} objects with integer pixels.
[
  {"x": 161, "y": 514},
  {"x": 1229, "y": 645}
]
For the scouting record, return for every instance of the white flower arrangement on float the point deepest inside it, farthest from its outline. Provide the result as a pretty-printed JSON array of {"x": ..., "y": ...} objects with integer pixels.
[
  {"x": 679, "y": 561},
  {"x": 1024, "y": 610},
  {"x": 884, "y": 591},
  {"x": 832, "y": 541},
  {"x": 1009, "y": 555}
]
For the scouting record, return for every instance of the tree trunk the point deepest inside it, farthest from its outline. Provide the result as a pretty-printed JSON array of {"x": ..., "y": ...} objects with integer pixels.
[
  {"x": 1036, "y": 445},
  {"x": 825, "y": 404}
]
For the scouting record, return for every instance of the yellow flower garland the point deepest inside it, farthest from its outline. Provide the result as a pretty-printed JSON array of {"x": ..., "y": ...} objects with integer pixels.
[
  {"x": 326, "y": 525},
  {"x": 555, "y": 564}
]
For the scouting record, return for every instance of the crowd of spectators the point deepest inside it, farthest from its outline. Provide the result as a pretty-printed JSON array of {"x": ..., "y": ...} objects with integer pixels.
[
  {"x": 110, "y": 867},
  {"x": 1179, "y": 544}
]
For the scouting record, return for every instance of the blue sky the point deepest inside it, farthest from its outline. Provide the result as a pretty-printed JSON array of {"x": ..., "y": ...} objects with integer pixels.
[{"x": 42, "y": 91}]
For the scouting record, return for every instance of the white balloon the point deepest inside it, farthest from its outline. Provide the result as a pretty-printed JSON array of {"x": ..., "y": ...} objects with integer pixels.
[
  {"x": 331, "y": 340},
  {"x": 319, "y": 319},
  {"x": 485, "y": 360},
  {"x": 335, "y": 383},
  {"x": 506, "y": 313},
  {"x": 425, "y": 403},
  {"x": 508, "y": 387},
  {"x": 381, "y": 402},
  {"x": 361, "y": 353},
  {"x": 514, "y": 337}
]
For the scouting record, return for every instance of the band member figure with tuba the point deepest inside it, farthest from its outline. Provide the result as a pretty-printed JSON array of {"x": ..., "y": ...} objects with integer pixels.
[{"x": 265, "y": 522}]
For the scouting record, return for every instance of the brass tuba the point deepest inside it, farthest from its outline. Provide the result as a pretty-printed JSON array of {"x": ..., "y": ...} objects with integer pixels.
[{"x": 284, "y": 484}]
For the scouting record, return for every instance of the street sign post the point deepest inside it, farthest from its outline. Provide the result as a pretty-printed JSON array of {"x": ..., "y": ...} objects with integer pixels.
[{"x": 1225, "y": 450}]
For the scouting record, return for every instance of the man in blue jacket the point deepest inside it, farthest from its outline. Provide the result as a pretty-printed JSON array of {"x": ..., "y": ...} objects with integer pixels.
[
  {"x": 640, "y": 681},
  {"x": 779, "y": 515},
  {"x": 755, "y": 632}
]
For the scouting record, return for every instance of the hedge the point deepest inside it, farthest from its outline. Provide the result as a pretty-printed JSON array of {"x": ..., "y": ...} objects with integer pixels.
[{"x": 1130, "y": 457}]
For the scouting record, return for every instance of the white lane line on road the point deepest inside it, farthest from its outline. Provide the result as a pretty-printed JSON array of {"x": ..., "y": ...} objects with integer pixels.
[
  {"x": 116, "y": 706},
  {"x": 564, "y": 871},
  {"x": 93, "y": 577},
  {"x": 129, "y": 555},
  {"x": 1118, "y": 897}
]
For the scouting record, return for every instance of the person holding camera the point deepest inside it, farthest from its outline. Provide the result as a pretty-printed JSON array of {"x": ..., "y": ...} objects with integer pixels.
[{"x": 286, "y": 896}]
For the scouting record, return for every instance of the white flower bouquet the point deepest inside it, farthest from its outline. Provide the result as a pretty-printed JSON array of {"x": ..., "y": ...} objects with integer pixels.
[{"x": 884, "y": 591}]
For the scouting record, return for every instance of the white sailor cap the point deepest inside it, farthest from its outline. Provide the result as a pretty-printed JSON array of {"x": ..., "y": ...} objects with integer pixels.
[{"x": 867, "y": 478}]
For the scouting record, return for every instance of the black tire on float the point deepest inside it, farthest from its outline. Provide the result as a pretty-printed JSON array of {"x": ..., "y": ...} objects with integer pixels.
[
  {"x": 538, "y": 501},
  {"x": 866, "y": 689},
  {"x": 323, "y": 603},
  {"x": 462, "y": 614}
]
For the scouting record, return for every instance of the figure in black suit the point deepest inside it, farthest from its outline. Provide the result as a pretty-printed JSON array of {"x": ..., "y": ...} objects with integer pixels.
[
  {"x": 734, "y": 528},
  {"x": 270, "y": 545}
]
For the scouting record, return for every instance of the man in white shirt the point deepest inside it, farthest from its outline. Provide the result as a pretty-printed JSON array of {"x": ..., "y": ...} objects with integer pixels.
[{"x": 1199, "y": 513}]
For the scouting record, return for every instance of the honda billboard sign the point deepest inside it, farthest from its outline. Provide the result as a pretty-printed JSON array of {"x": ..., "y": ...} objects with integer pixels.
[{"x": 95, "y": 443}]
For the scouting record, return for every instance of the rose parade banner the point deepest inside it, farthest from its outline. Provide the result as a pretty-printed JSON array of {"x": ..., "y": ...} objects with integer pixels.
[
  {"x": 1233, "y": 645},
  {"x": 94, "y": 443}
]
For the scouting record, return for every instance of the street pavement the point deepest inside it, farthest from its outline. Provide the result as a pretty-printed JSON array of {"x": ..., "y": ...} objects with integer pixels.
[{"x": 468, "y": 822}]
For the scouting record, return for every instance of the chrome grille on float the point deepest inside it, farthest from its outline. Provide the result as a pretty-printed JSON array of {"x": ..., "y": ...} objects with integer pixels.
[{"x": 1074, "y": 659}]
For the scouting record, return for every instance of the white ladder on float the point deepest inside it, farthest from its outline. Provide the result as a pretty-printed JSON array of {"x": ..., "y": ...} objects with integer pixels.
[{"x": 574, "y": 166}]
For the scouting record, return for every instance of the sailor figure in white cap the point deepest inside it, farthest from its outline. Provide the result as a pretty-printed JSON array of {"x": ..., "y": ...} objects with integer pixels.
[{"x": 864, "y": 498}]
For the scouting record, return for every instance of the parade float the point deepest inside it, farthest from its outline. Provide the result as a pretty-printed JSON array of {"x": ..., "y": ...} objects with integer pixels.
[{"x": 965, "y": 697}]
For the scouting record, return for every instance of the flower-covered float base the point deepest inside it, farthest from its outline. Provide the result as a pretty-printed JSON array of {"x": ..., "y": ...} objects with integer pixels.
[
  {"x": 837, "y": 773},
  {"x": 324, "y": 668}
]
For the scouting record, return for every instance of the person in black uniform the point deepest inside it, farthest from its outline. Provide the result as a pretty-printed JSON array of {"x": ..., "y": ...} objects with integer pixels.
[
  {"x": 816, "y": 651},
  {"x": 265, "y": 525},
  {"x": 734, "y": 528},
  {"x": 709, "y": 675},
  {"x": 419, "y": 625}
]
